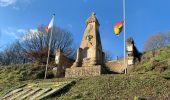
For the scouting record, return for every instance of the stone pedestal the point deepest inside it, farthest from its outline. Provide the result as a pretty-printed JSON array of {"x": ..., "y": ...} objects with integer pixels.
[{"x": 84, "y": 71}]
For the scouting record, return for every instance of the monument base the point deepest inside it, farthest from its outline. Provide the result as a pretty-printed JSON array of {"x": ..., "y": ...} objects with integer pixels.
[{"x": 84, "y": 71}]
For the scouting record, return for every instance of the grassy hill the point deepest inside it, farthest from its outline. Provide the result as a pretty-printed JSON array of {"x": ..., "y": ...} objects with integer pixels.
[
  {"x": 118, "y": 87},
  {"x": 150, "y": 79},
  {"x": 159, "y": 61},
  {"x": 14, "y": 75}
]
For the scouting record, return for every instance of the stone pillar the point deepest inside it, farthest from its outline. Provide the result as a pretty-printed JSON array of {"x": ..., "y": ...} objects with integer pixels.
[
  {"x": 94, "y": 58},
  {"x": 62, "y": 62},
  {"x": 130, "y": 54},
  {"x": 78, "y": 61},
  {"x": 58, "y": 56}
]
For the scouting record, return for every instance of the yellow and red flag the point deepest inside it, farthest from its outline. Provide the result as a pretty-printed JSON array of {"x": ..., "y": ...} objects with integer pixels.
[{"x": 118, "y": 27}]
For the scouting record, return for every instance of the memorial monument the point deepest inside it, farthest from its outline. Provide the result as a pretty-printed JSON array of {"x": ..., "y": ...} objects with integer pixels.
[{"x": 90, "y": 56}]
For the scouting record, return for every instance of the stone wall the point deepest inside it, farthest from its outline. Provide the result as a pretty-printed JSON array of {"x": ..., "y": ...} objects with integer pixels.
[
  {"x": 83, "y": 71},
  {"x": 62, "y": 63},
  {"x": 115, "y": 66}
]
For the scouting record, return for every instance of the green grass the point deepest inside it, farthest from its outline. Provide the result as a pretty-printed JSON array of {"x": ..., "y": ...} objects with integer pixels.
[
  {"x": 105, "y": 87},
  {"x": 146, "y": 64},
  {"x": 111, "y": 87},
  {"x": 14, "y": 75},
  {"x": 143, "y": 83}
]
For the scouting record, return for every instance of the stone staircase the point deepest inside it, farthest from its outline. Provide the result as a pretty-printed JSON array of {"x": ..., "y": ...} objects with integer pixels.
[
  {"x": 36, "y": 91},
  {"x": 116, "y": 66}
]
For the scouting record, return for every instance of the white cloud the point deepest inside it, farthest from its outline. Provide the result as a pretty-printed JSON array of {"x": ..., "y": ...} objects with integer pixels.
[
  {"x": 32, "y": 33},
  {"x": 10, "y": 33},
  {"x": 14, "y": 33},
  {"x": 21, "y": 31},
  {"x": 15, "y": 4},
  {"x": 5, "y": 3},
  {"x": 21, "y": 34}
]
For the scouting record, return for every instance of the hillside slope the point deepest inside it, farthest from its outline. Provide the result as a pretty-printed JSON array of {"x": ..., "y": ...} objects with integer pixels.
[
  {"x": 158, "y": 61},
  {"x": 150, "y": 79},
  {"x": 14, "y": 75},
  {"x": 118, "y": 87}
]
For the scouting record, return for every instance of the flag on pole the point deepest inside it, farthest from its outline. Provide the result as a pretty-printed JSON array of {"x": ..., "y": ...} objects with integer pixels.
[
  {"x": 50, "y": 25},
  {"x": 118, "y": 27}
]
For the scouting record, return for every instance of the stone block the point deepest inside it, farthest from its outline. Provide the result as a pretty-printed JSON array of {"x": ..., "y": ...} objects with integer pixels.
[{"x": 84, "y": 71}]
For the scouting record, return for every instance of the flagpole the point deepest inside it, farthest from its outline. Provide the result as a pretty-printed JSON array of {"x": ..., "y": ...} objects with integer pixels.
[
  {"x": 124, "y": 29},
  {"x": 49, "y": 48}
]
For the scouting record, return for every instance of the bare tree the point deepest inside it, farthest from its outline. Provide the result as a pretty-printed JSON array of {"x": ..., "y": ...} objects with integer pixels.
[
  {"x": 36, "y": 42},
  {"x": 108, "y": 55},
  {"x": 167, "y": 38},
  {"x": 12, "y": 54},
  {"x": 155, "y": 41}
]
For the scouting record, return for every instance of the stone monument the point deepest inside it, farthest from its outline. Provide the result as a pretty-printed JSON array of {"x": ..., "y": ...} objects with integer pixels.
[
  {"x": 90, "y": 57},
  {"x": 130, "y": 51},
  {"x": 62, "y": 62},
  {"x": 133, "y": 55}
]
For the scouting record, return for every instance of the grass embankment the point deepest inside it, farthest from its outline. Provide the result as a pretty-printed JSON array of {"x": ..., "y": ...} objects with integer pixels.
[
  {"x": 111, "y": 87},
  {"x": 149, "y": 79},
  {"x": 14, "y": 75},
  {"x": 158, "y": 61},
  {"x": 106, "y": 87}
]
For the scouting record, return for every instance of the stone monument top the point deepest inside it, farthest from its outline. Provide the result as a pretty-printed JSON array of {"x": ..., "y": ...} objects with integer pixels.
[
  {"x": 92, "y": 18},
  {"x": 90, "y": 52}
]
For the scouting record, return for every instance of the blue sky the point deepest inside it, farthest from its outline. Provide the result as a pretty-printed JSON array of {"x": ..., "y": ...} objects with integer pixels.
[{"x": 143, "y": 17}]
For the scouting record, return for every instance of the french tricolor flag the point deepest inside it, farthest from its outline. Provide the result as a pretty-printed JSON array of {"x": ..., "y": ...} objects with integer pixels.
[{"x": 50, "y": 25}]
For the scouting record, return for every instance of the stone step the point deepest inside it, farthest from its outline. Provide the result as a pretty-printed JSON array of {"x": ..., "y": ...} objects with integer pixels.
[
  {"x": 29, "y": 94},
  {"x": 38, "y": 94},
  {"x": 48, "y": 94},
  {"x": 20, "y": 94},
  {"x": 12, "y": 93},
  {"x": 55, "y": 90},
  {"x": 87, "y": 63},
  {"x": 36, "y": 91}
]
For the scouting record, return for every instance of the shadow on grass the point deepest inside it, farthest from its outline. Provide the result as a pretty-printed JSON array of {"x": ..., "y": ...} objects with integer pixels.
[
  {"x": 61, "y": 92},
  {"x": 167, "y": 78}
]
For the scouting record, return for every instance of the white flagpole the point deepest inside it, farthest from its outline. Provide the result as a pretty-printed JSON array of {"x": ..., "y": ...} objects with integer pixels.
[
  {"x": 124, "y": 29},
  {"x": 49, "y": 45}
]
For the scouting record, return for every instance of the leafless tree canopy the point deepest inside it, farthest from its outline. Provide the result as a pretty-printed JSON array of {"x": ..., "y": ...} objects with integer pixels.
[
  {"x": 35, "y": 43},
  {"x": 167, "y": 36},
  {"x": 155, "y": 41},
  {"x": 13, "y": 54},
  {"x": 33, "y": 46},
  {"x": 108, "y": 55}
]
